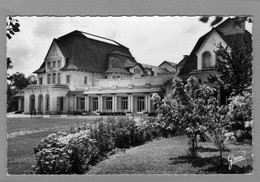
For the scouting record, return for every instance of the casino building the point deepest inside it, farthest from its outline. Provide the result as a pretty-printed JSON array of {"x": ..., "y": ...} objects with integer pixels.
[{"x": 87, "y": 73}]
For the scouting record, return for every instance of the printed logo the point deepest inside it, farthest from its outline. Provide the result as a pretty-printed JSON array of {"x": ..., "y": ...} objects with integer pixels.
[{"x": 235, "y": 158}]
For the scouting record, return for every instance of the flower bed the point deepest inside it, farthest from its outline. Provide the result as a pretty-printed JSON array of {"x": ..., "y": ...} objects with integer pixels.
[{"x": 85, "y": 145}]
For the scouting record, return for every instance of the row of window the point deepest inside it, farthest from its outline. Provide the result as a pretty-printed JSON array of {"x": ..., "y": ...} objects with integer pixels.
[
  {"x": 55, "y": 78},
  {"x": 109, "y": 102},
  {"x": 52, "y": 64},
  {"x": 51, "y": 78}
]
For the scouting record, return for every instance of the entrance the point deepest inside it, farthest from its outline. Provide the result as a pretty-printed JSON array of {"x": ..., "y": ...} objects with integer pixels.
[{"x": 32, "y": 103}]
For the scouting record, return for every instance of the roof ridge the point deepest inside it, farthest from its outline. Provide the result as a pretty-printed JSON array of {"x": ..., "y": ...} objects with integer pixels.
[{"x": 101, "y": 37}]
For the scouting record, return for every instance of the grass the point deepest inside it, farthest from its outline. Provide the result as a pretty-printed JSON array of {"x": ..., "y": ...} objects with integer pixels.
[
  {"x": 169, "y": 156},
  {"x": 20, "y": 144},
  {"x": 164, "y": 156}
]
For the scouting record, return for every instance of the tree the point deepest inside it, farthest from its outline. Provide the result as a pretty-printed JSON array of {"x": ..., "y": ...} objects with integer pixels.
[
  {"x": 12, "y": 27},
  {"x": 218, "y": 129},
  {"x": 241, "y": 113},
  {"x": 186, "y": 108},
  {"x": 234, "y": 68},
  {"x": 218, "y": 19},
  {"x": 18, "y": 81}
]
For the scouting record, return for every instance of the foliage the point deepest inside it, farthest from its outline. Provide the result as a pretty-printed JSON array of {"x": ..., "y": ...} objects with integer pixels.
[
  {"x": 17, "y": 82},
  {"x": 218, "y": 129},
  {"x": 186, "y": 108},
  {"x": 234, "y": 68},
  {"x": 85, "y": 145},
  {"x": 12, "y": 27},
  {"x": 240, "y": 111},
  {"x": 218, "y": 19}
]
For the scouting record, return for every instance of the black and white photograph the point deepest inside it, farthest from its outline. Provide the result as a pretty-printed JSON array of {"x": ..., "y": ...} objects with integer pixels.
[{"x": 129, "y": 95}]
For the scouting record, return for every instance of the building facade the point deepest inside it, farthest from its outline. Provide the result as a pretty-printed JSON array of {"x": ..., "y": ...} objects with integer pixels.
[
  {"x": 203, "y": 58},
  {"x": 87, "y": 73}
]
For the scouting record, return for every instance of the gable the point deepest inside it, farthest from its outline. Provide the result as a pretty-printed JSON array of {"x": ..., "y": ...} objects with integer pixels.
[
  {"x": 211, "y": 43},
  {"x": 54, "y": 52},
  {"x": 167, "y": 66}
]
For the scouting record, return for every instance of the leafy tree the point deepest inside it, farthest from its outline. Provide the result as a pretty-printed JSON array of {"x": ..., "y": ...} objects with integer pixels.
[
  {"x": 218, "y": 129},
  {"x": 193, "y": 108},
  {"x": 186, "y": 108},
  {"x": 9, "y": 66},
  {"x": 218, "y": 19},
  {"x": 234, "y": 68},
  {"x": 18, "y": 81},
  {"x": 12, "y": 27},
  {"x": 240, "y": 112}
]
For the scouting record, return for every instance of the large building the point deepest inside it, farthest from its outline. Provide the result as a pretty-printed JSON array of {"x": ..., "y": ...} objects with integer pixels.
[{"x": 83, "y": 72}]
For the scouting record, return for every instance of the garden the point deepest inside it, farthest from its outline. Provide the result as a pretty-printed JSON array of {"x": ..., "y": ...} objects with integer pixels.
[{"x": 191, "y": 110}]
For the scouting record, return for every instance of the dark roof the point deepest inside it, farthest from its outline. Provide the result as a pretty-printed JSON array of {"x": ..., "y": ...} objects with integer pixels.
[
  {"x": 183, "y": 61},
  {"x": 156, "y": 69},
  {"x": 230, "y": 38},
  {"x": 168, "y": 62},
  {"x": 87, "y": 52},
  {"x": 191, "y": 62}
]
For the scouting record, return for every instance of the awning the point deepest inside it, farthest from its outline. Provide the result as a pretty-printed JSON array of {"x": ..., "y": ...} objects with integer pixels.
[{"x": 75, "y": 93}]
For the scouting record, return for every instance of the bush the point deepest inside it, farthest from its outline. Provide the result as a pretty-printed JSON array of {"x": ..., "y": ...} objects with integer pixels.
[
  {"x": 64, "y": 153},
  {"x": 86, "y": 144},
  {"x": 240, "y": 112}
]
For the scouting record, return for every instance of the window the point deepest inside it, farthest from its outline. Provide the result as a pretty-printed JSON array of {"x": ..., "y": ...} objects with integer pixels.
[
  {"x": 124, "y": 103},
  {"x": 67, "y": 78},
  {"x": 137, "y": 71},
  {"x": 114, "y": 77},
  {"x": 118, "y": 77},
  {"x": 54, "y": 78},
  {"x": 40, "y": 81},
  {"x": 95, "y": 103},
  {"x": 81, "y": 103},
  {"x": 140, "y": 103},
  {"x": 48, "y": 65},
  {"x": 206, "y": 60},
  {"x": 53, "y": 64},
  {"x": 108, "y": 103},
  {"x": 59, "y": 63},
  {"x": 58, "y": 78},
  {"x": 49, "y": 79},
  {"x": 85, "y": 80}
]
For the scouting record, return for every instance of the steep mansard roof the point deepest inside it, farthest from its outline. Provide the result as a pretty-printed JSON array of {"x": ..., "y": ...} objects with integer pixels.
[
  {"x": 88, "y": 52},
  {"x": 229, "y": 31}
]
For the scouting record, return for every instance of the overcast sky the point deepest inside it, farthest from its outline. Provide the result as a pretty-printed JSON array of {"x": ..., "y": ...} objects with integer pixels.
[{"x": 151, "y": 40}]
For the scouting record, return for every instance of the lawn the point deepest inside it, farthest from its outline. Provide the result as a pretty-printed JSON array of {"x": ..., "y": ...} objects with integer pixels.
[
  {"x": 162, "y": 156},
  {"x": 169, "y": 156},
  {"x": 25, "y": 133}
]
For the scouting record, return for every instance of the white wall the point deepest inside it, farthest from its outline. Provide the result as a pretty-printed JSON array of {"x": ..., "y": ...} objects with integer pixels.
[{"x": 210, "y": 45}]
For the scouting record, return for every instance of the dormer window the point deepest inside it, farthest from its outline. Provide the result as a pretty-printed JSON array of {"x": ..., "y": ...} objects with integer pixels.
[
  {"x": 137, "y": 71},
  {"x": 206, "y": 60},
  {"x": 53, "y": 64},
  {"x": 59, "y": 63},
  {"x": 48, "y": 65}
]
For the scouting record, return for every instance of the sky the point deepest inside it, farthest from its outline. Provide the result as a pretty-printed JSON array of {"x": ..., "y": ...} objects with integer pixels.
[{"x": 151, "y": 40}]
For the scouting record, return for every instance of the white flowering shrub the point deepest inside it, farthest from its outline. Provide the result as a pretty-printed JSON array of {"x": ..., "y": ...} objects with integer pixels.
[
  {"x": 241, "y": 112},
  {"x": 85, "y": 145},
  {"x": 64, "y": 153}
]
